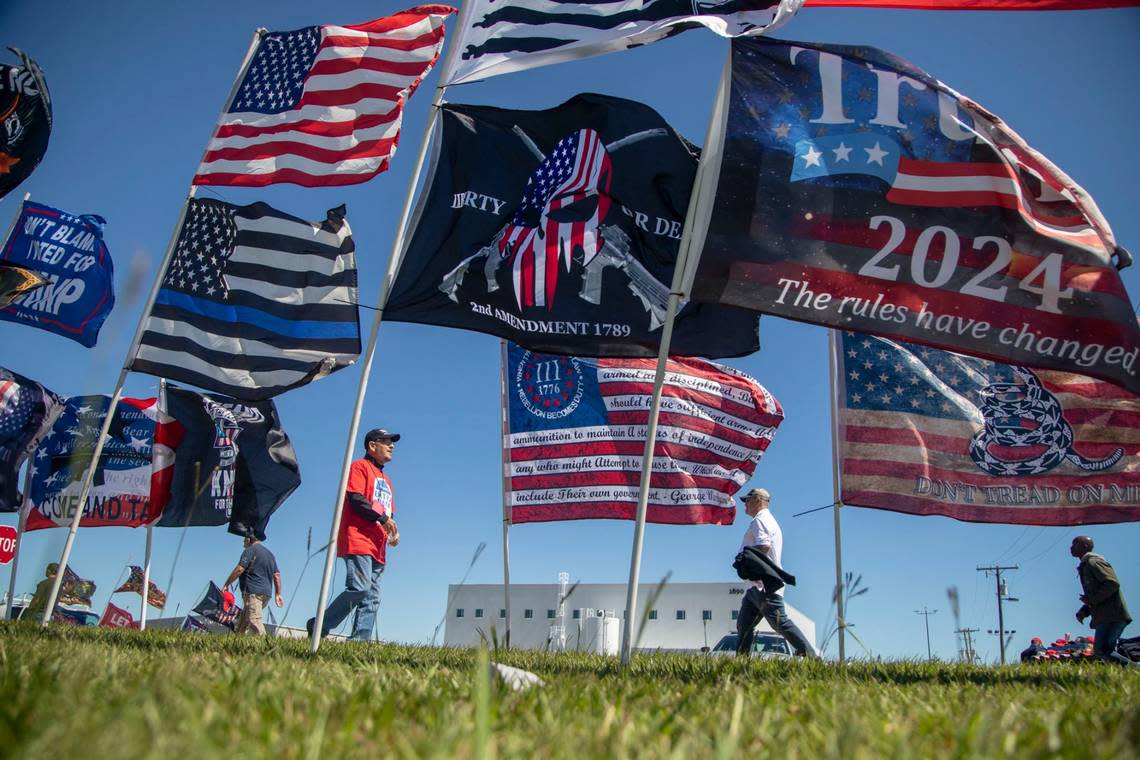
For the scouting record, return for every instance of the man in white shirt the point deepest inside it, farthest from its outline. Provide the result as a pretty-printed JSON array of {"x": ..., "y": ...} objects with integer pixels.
[{"x": 765, "y": 534}]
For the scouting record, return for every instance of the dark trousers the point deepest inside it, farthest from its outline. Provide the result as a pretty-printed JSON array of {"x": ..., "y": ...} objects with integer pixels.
[
  {"x": 1106, "y": 636},
  {"x": 755, "y": 605}
]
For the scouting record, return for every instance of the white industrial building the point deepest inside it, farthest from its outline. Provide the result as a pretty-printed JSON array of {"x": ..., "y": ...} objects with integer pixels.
[{"x": 683, "y": 616}]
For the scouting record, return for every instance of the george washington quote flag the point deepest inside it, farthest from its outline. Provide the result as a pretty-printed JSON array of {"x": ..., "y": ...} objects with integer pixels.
[
  {"x": 859, "y": 192},
  {"x": 576, "y": 432}
]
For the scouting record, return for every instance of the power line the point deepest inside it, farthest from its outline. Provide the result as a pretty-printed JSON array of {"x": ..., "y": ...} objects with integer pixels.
[
  {"x": 967, "y": 653},
  {"x": 1047, "y": 549},
  {"x": 926, "y": 616},
  {"x": 1009, "y": 548},
  {"x": 1002, "y": 595}
]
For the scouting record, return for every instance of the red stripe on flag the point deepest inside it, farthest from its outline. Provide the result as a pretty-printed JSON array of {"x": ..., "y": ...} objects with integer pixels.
[
  {"x": 620, "y": 510},
  {"x": 311, "y": 127},
  {"x": 370, "y": 149}
]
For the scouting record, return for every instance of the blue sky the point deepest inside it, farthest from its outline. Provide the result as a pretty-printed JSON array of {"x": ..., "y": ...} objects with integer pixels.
[{"x": 137, "y": 87}]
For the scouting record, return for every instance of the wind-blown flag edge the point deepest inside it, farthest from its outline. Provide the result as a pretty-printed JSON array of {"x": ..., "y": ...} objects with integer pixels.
[{"x": 658, "y": 29}]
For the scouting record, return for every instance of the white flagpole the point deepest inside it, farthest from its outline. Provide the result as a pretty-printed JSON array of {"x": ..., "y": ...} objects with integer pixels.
[
  {"x": 506, "y": 422},
  {"x": 160, "y": 275},
  {"x": 15, "y": 556},
  {"x": 394, "y": 259},
  {"x": 833, "y": 347},
  {"x": 677, "y": 290},
  {"x": 16, "y": 217},
  {"x": 146, "y": 578}
]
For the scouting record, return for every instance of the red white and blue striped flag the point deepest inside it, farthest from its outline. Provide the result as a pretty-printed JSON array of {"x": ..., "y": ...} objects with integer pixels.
[
  {"x": 323, "y": 105},
  {"x": 931, "y": 432},
  {"x": 576, "y": 437}
]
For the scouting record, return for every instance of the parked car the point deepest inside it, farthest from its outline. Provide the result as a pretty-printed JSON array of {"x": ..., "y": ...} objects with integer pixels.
[{"x": 763, "y": 645}]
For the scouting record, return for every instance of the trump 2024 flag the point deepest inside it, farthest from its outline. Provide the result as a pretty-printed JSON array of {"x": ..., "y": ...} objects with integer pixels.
[
  {"x": 66, "y": 250},
  {"x": 511, "y": 35},
  {"x": 859, "y": 192},
  {"x": 576, "y": 437},
  {"x": 254, "y": 302},
  {"x": 559, "y": 230},
  {"x": 931, "y": 432},
  {"x": 323, "y": 105}
]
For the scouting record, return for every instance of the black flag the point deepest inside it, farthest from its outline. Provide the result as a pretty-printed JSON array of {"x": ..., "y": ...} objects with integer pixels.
[
  {"x": 559, "y": 230},
  {"x": 235, "y": 465},
  {"x": 25, "y": 121},
  {"x": 217, "y": 607}
]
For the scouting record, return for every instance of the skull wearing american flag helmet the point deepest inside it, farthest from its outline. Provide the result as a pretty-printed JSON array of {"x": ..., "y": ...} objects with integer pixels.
[{"x": 564, "y": 201}]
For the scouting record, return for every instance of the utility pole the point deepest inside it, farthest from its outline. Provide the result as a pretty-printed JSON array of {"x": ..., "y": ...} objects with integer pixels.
[
  {"x": 1002, "y": 595},
  {"x": 967, "y": 653},
  {"x": 926, "y": 616}
]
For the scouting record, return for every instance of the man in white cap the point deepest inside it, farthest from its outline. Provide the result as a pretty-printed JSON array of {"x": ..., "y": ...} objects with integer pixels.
[
  {"x": 367, "y": 527},
  {"x": 764, "y": 533}
]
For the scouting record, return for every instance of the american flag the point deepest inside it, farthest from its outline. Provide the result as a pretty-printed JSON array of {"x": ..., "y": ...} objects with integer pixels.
[
  {"x": 322, "y": 105},
  {"x": 255, "y": 302},
  {"x": 27, "y": 413},
  {"x": 511, "y": 35},
  {"x": 134, "y": 584},
  {"x": 576, "y": 437},
  {"x": 931, "y": 432},
  {"x": 571, "y": 188}
]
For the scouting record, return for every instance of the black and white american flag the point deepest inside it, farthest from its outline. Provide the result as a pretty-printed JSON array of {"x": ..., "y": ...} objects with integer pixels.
[{"x": 255, "y": 302}]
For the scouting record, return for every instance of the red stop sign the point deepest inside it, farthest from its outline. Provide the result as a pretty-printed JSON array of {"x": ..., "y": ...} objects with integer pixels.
[{"x": 7, "y": 544}]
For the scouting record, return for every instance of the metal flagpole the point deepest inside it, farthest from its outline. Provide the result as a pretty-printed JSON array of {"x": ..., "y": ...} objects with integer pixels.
[
  {"x": 15, "y": 556},
  {"x": 506, "y": 422},
  {"x": 833, "y": 347},
  {"x": 150, "y": 526},
  {"x": 394, "y": 259},
  {"x": 89, "y": 476},
  {"x": 22, "y": 521},
  {"x": 676, "y": 290},
  {"x": 16, "y": 216},
  {"x": 146, "y": 578}
]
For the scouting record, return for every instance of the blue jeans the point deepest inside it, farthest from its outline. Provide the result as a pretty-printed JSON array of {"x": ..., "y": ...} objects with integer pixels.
[
  {"x": 361, "y": 593},
  {"x": 1104, "y": 645}
]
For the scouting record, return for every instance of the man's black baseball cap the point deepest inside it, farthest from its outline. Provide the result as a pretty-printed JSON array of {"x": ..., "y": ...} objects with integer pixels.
[{"x": 380, "y": 434}]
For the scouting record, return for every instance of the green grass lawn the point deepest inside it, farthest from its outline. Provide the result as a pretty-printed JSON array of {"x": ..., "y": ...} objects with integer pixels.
[{"x": 103, "y": 694}]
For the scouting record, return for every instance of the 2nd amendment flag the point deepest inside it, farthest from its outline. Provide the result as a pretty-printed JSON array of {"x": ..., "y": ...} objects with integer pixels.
[{"x": 559, "y": 230}]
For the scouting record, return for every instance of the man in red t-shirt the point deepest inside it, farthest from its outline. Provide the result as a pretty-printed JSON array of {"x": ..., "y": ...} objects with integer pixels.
[{"x": 367, "y": 527}]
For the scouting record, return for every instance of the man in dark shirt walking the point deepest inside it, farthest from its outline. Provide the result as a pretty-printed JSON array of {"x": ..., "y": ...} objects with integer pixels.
[
  {"x": 1101, "y": 599},
  {"x": 258, "y": 578}
]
